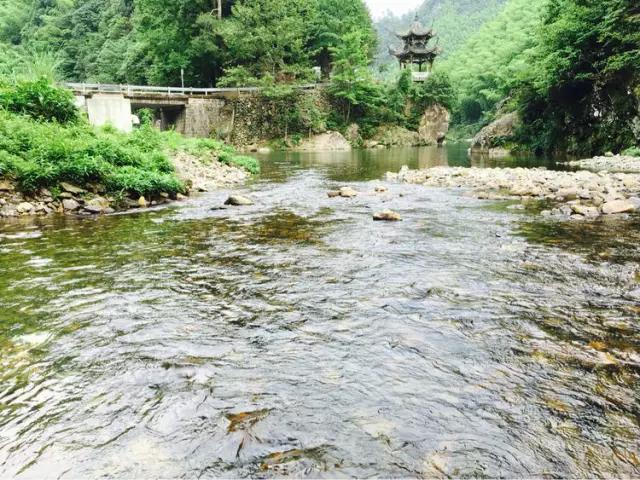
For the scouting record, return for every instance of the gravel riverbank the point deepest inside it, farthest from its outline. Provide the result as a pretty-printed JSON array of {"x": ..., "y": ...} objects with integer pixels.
[
  {"x": 576, "y": 195},
  {"x": 617, "y": 163}
]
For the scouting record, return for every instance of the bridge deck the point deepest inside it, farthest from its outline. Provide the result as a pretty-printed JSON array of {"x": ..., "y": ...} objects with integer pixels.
[{"x": 146, "y": 90}]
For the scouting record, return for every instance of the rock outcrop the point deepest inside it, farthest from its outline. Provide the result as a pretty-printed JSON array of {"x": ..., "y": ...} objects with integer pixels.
[
  {"x": 324, "y": 142},
  {"x": 496, "y": 133},
  {"x": 434, "y": 125},
  {"x": 395, "y": 136}
]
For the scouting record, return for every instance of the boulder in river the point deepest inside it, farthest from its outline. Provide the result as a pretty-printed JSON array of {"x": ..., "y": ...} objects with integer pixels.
[
  {"x": 324, "y": 142},
  {"x": 387, "y": 216},
  {"x": 381, "y": 189},
  {"x": 618, "y": 206},
  {"x": 70, "y": 205},
  {"x": 238, "y": 201},
  {"x": 496, "y": 133},
  {"x": 348, "y": 192}
]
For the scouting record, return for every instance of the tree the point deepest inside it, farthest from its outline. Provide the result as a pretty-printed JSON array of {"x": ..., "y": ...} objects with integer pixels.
[
  {"x": 580, "y": 94},
  {"x": 270, "y": 37},
  {"x": 335, "y": 19},
  {"x": 352, "y": 82}
]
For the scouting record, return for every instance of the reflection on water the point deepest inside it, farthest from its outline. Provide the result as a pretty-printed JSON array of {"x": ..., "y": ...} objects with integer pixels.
[
  {"x": 297, "y": 337},
  {"x": 358, "y": 165}
]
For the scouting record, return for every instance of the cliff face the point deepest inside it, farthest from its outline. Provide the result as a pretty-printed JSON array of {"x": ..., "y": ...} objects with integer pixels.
[{"x": 434, "y": 125}]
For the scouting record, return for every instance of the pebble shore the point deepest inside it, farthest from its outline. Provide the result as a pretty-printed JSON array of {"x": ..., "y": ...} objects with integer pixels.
[
  {"x": 576, "y": 195},
  {"x": 617, "y": 163}
]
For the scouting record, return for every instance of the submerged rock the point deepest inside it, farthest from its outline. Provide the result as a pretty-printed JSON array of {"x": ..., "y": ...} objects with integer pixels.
[
  {"x": 238, "y": 201},
  {"x": 387, "y": 216}
]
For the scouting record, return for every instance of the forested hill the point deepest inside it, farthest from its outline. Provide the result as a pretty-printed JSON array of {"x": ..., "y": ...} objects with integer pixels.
[
  {"x": 150, "y": 41},
  {"x": 454, "y": 20},
  {"x": 492, "y": 61}
]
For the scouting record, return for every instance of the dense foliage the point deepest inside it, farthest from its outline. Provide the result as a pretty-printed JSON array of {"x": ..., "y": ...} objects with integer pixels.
[
  {"x": 493, "y": 60},
  {"x": 582, "y": 92},
  {"x": 43, "y": 144},
  {"x": 39, "y": 100},
  {"x": 152, "y": 41},
  {"x": 571, "y": 68}
]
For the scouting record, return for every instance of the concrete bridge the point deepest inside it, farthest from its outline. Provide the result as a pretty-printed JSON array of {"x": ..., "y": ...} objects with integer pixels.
[{"x": 195, "y": 112}]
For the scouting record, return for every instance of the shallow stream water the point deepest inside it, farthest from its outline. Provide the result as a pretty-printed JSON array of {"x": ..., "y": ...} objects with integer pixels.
[{"x": 297, "y": 337}]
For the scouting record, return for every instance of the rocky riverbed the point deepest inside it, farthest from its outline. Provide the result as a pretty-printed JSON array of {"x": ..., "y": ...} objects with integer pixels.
[
  {"x": 617, "y": 163},
  {"x": 576, "y": 195},
  {"x": 91, "y": 199}
]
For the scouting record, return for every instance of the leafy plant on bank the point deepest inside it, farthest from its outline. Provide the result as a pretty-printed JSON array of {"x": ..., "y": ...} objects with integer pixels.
[
  {"x": 40, "y": 100},
  {"x": 39, "y": 151}
]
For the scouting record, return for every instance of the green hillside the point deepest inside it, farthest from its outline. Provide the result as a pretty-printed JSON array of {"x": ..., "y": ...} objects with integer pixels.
[{"x": 491, "y": 62}]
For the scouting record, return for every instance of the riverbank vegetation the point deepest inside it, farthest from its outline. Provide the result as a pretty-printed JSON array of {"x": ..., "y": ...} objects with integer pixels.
[
  {"x": 45, "y": 141},
  {"x": 570, "y": 69}
]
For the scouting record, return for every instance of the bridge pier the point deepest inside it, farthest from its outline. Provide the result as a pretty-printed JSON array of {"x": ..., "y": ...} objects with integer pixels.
[{"x": 112, "y": 109}]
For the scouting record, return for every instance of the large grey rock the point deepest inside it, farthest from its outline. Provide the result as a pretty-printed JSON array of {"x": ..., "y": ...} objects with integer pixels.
[
  {"x": 238, "y": 201},
  {"x": 68, "y": 187},
  {"x": 70, "y": 205},
  {"x": 434, "y": 125},
  {"x": 324, "y": 142},
  {"x": 618, "y": 206},
  {"x": 396, "y": 136},
  {"x": 496, "y": 133}
]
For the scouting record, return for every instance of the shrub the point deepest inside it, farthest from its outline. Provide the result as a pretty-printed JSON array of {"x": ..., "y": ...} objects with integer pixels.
[
  {"x": 39, "y": 100},
  {"x": 39, "y": 154},
  {"x": 248, "y": 163},
  {"x": 632, "y": 152}
]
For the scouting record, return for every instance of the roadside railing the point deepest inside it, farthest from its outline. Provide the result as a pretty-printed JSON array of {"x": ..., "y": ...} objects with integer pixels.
[{"x": 86, "y": 88}]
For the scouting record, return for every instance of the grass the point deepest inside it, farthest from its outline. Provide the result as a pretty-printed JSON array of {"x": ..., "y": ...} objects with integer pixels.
[
  {"x": 632, "y": 152},
  {"x": 203, "y": 148},
  {"x": 41, "y": 154}
]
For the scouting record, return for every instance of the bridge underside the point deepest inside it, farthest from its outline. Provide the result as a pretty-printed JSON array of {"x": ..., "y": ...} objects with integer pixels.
[{"x": 195, "y": 116}]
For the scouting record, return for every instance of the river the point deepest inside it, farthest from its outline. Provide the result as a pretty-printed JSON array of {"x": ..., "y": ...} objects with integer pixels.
[{"x": 297, "y": 337}]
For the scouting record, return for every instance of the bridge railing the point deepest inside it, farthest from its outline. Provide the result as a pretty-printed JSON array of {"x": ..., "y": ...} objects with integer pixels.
[{"x": 142, "y": 89}]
